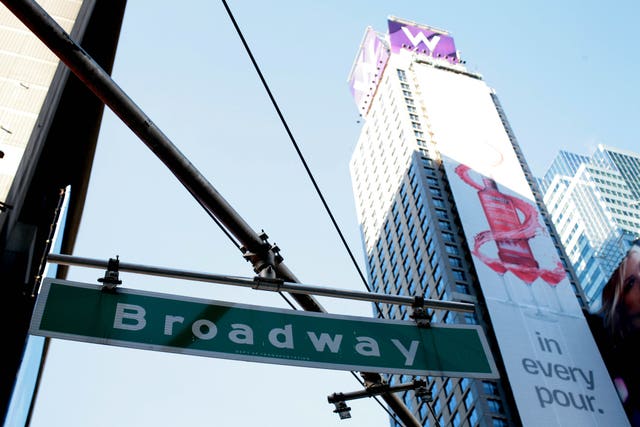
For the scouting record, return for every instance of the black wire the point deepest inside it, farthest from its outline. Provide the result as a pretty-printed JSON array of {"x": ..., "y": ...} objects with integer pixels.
[
  {"x": 212, "y": 216},
  {"x": 298, "y": 151},
  {"x": 391, "y": 414},
  {"x": 302, "y": 159}
]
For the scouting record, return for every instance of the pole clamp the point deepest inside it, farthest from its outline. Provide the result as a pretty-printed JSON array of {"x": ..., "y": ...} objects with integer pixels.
[
  {"x": 111, "y": 277},
  {"x": 420, "y": 313},
  {"x": 264, "y": 259}
]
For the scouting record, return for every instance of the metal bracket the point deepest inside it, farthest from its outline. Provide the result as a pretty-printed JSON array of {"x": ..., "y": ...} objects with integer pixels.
[
  {"x": 420, "y": 313},
  {"x": 374, "y": 386},
  {"x": 265, "y": 258},
  {"x": 111, "y": 276},
  {"x": 267, "y": 283},
  {"x": 422, "y": 393},
  {"x": 5, "y": 206}
]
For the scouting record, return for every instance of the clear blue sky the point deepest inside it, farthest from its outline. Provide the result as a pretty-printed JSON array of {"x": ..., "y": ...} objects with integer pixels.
[{"x": 565, "y": 72}]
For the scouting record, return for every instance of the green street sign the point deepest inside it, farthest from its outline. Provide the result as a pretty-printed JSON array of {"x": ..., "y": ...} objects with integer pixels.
[{"x": 177, "y": 324}]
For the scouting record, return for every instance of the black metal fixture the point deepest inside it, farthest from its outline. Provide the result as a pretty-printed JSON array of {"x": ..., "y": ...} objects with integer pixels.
[{"x": 340, "y": 399}]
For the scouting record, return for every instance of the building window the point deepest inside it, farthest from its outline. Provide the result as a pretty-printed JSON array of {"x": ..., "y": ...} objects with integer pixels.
[
  {"x": 408, "y": 401},
  {"x": 452, "y": 404},
  {"x": 395, "y": 272},
  {"x": 448, "y": 387},
  {"x": 444, "y": 225},
  {"x": 495, "y": 406},
  {"x": 451, "y": 249},
  {"x": 430, "y": 247},
  {"x": 462, "y": 288},
  {"x": 490, "y": 388},
  {"x": 468, "y": 399},
  {"x": 499, "y": 422},
  {"x": 470, "y": 319},
  {"x": 423, "y": 411},
  {"x": 412, "y": 284},
  {"x": 456, "y": 420},
  {"x": 455, "y": 262},
  {"x": 473, "y": 417},
  {"x": 424, "y": 283},
  {"x": 435, "y": 192},
  {"x": 459, "y": 275}
]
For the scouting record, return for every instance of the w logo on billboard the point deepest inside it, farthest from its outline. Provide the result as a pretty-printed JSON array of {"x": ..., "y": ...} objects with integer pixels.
[
  {"x": 420, "y": 37},
  {"x": 422, "y": 40}
]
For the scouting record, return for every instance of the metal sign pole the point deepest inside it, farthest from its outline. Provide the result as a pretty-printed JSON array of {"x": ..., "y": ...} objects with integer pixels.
[{"x": 261, "y": 284}]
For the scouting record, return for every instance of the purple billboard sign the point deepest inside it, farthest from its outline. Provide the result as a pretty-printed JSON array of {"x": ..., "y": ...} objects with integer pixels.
[
  {"x": 367, "y": 70},
  {"x": 421, "y": 39}
]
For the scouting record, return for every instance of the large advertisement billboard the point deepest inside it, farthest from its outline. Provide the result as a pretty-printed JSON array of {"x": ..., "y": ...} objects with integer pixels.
[
  {"x": 367, "y": 70},
  {"x": 553, "y": 365}
]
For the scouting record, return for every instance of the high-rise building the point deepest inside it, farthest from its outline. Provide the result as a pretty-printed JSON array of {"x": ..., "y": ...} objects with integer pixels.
[
  {"x": 594, "y": 205},
  {"x": 448, "y": 209},
  {"x": 49, "y": 123}
]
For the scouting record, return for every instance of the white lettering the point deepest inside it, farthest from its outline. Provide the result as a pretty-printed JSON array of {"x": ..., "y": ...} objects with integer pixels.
[
  {"x": 325, "y": 340},
  {"x": 409, "y": 354},
  {"x": 367, "y": 346},
  {"x": 241, "y": 334},
  {"x": 281, "y": 337},
  {"x": 169, "y": 321},
  {"x": 131, "y": 312},
  {"x": 211, "y": 329},
  {"x": 420, "y": 37}
]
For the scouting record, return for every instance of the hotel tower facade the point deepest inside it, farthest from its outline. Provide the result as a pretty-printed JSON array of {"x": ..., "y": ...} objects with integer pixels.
[{"x": 449, "y": 210}]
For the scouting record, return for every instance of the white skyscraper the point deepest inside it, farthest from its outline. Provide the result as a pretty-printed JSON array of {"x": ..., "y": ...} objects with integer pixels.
[
  {"x": 448, "y": 209},
  {"x": 594, "y": 203}
]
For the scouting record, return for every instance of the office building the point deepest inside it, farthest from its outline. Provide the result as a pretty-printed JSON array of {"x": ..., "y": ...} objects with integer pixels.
[
  {"x": 49, "y": 123},
  {"x": 448, "y": 209},
  {"x": 594, "y": 205}
]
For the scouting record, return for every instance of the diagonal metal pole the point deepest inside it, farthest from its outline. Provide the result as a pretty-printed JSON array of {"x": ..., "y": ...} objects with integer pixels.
[{"x": 255, "y": 248}]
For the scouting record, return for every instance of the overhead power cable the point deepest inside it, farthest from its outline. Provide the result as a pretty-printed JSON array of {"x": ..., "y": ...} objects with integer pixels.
[
  {"x": 311, "y": 177},
  {"x": 297, "y": 148}
]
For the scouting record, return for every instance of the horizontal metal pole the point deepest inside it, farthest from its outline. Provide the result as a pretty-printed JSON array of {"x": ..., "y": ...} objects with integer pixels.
[
  {"x": 259, "y": 283},
  {"x": 374, "y": 391}
]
